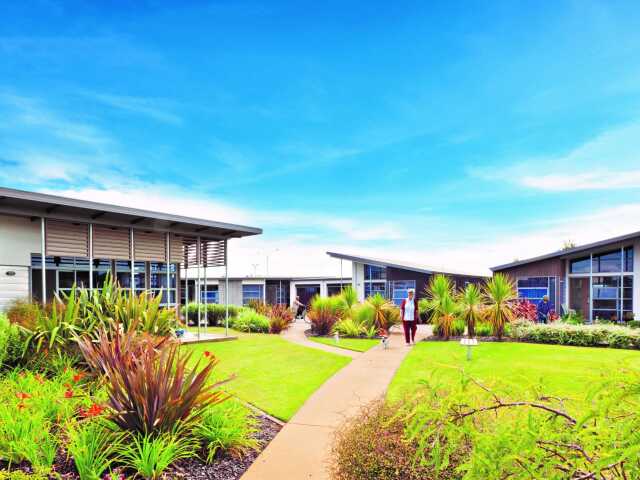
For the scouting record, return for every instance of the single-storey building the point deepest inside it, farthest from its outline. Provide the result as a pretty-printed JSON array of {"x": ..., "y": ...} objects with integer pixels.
[
  {"x": 394, "y": 278},
  {"x": 272, "y": 290},
  {"x": 49, "y": 243},
  {"x": 597, "y": 280}
]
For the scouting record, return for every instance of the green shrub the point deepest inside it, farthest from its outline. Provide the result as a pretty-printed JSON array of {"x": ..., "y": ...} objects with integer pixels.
[
  {"x": 372, "y": 445},
  {"x": 215, "y": 313},
  {"x": 578, "y": 335},
  {"x": 633, "y": 324},
  {"x": 324, "y": 312},
  {"x": 458, "y": 328},
  {"x": 11, "y": 342},
  {"x": 94, "y": 446},
  {"x": 280, "y": 317},
  {"x": 350, "y": 327},
  {"x": 32, "y": 408},
  {"x": 483, "y": 329},
  {"x": 228, "y": 427},
  {"x": 150, "y": 455},
  {"x": 250, "y": 321}
]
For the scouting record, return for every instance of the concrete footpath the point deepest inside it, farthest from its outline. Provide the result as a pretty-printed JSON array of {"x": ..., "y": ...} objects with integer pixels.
[{"x": 301, "y": 449}]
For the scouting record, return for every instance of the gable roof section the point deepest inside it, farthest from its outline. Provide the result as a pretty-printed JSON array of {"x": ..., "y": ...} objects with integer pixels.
[
  {"x": 569, "y": 251},
  {"x": 400, "y": 264}
]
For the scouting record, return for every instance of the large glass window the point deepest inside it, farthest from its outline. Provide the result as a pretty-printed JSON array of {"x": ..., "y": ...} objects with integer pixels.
[
  {"x": 251, "y": 292},
  {"x": 628, "y": 259},
  {"x": 400, "y": 290},
  {"x": 609, "y": 262},
  {"x": 371, "y": 288},
  {"x": 612, "y": 297},
  {"x": 534, "y": 289},
  {"x": 211, "y": 294},
  {"x": 336, "y": 288},
  {"x": 580, "y": 265},
  {"x": 101, "y": 269},
  {"x": 372, "y": 272}
]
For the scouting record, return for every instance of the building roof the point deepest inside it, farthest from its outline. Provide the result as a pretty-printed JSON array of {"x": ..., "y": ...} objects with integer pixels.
[
  {"x": 192, "y": 274},
  {"x": 23, "y": 203},
  {"x": 569, "y": 251},
  {"x": 400, "y": 264}
]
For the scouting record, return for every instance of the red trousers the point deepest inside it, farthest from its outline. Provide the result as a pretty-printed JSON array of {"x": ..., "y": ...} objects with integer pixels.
[{"x": 410, "y": 329}]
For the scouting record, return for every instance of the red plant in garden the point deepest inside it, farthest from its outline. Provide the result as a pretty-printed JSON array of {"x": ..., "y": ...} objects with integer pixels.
[
  {"x": 525, "y": 309},
  {"x": 151, "y": 384},
  {"x": 93, "y": 411},
  {"x": 22, "y": 395},
  {"x": 207, "y": 353},
  {"x": 553, "y": 316},
  {"x": 68, "y": 393},
  {"x": 77, "y": 377}
]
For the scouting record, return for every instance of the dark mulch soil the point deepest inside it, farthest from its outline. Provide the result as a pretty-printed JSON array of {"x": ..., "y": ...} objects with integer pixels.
[{"x": 224, "y": 467}]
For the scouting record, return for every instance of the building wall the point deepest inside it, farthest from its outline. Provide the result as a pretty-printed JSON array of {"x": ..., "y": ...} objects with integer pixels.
[
  {"x": 14, "y": 284},
  {"x": 553, "y": 267},
  {"x": 636, "y": 279},
  {"x": 357, "y": 279},
  {"x": 19, "y": 238}
]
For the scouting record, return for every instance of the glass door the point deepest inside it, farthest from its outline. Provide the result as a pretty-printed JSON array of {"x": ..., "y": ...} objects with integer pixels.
[{"x": 579, "y": 296}]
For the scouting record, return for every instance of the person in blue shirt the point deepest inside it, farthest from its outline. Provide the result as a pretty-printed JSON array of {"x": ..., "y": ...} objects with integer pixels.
[{"x": 544, "y": 307}]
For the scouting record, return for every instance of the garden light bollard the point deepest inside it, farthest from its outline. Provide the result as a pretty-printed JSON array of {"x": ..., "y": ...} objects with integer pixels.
[
  {"x": 469, "y": 343},
  {"x": 336, "y": 337}
]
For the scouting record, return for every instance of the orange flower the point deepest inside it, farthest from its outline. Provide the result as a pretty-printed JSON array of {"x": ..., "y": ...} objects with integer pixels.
[
  {"x": 77, "y": 377},
  {"x": 21, "y": 405},
  {"x": 22, "y": 395},
  {"x": 39, "y": 378},
  {"x": 92, "y": 411},
  {"x": 207, "y": 353},
  {"x": 68, "y": 393}
]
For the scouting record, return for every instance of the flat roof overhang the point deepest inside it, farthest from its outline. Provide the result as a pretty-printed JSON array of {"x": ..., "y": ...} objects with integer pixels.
[{"x": 41, "y": 205}]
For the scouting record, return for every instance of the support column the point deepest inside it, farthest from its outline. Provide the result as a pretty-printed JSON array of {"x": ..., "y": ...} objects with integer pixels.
[
  {"x": 168, "y": 258},
  {"x": 206, "y": 293},
  {"x": 44, "y": 259},
  {"x": 198, "y": 289},
  {"x": 133, "y": 264},
  {"x": 226, "y": 290},
  {"x": 90, "y": 257}
]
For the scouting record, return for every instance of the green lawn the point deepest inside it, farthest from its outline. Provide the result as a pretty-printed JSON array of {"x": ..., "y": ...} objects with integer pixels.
[
  {"x": 355, "y": 344},
  {"x": 564, "y": 371},
  {"x": 273, "y": 374}
]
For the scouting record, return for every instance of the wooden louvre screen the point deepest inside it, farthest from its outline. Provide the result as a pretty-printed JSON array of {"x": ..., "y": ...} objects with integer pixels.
[
  {"x": 149, "y": 246},
  {"x": 112, "y": 243},
  {"x": 67, "y": 239},
  {"x": 176, "y": 246}
]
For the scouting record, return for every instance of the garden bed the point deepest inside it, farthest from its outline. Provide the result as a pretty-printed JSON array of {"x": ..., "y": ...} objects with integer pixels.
[{"x": 224, "y": 467}]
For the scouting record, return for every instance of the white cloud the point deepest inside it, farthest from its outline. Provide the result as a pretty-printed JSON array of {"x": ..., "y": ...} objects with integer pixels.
[
  {"x": 602, "y": 180},
  {"x": 155, "y": 108},
  {"x": 608, "y": 160}
]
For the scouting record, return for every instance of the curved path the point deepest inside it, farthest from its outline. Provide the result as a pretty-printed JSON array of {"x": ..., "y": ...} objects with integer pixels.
[{"x": 301, "y": 449}]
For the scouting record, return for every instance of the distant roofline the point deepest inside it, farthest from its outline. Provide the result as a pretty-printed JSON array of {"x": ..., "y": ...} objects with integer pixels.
[
  {"x": 49, "y": 203},
  {"x": 568, "y": 251},
  {"x": 400, "y": 264}
]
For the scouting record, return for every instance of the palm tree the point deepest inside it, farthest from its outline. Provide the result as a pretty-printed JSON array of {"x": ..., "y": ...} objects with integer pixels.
[
  {"x": 470, "y": 303},
  {"x": 447, "y": 314},
  {"x": 500, "y": 295},
  {"x": 385, "y": 313},
  {"x": 439, "y": 302}
]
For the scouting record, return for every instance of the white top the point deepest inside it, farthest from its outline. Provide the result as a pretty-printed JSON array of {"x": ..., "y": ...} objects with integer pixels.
[{"x": 409, "y": 310}]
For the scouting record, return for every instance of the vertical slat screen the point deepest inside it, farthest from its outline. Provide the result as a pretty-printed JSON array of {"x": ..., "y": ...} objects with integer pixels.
[
  {"x": 112, "y": 243},
  {"x": 149, "y": 246},
  {"x": 67, "y": 239}
]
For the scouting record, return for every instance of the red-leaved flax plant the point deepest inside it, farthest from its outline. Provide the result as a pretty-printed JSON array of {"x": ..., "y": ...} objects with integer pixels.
[{"x": 152, "y": 387}]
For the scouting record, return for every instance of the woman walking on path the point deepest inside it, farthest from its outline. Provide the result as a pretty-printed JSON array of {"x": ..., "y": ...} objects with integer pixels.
[{"x": 409, "y": 312}]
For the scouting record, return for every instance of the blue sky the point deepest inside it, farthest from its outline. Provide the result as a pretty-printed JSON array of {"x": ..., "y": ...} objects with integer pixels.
[{"x": 462, "y": 136}]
